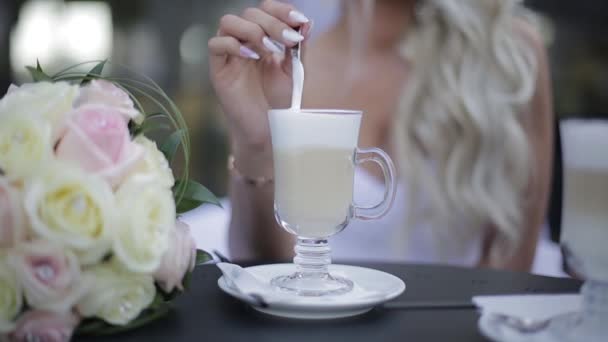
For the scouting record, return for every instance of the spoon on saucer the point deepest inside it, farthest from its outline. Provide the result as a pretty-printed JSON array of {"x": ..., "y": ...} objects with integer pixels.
[{"x": 522, "y": 325}]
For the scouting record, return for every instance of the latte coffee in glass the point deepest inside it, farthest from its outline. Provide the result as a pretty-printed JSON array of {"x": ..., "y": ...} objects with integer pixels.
[{"x": 315, "y": 153}]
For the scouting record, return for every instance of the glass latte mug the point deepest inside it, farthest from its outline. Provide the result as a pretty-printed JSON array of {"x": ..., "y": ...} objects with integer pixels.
[
  {"x": 584, "y": 236},
  {"x": 315, "y": 154}
]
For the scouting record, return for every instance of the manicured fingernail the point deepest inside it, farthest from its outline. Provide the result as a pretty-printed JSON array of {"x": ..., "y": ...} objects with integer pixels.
[
  {"x": 273, "y": 46},
  {"x": 292, "y": 36},
  {"x": 248, "y": 53},
  {"x": 308, "y": 30},
  {"x": 298, "y": 17}
]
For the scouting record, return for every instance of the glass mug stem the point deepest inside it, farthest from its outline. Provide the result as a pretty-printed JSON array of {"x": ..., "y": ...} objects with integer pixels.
[
  {"x": 312, "y": 277},
  {"x": 312, "y": 257}
]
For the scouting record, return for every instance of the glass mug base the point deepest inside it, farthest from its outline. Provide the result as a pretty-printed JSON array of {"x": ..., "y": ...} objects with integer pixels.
[{"x": 313, "y": 286}]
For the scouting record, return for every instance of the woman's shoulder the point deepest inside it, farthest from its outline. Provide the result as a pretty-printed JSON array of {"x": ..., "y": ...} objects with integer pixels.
[
  {"x": 541, "y": 101},
  {"x": 530, "y": 32}
]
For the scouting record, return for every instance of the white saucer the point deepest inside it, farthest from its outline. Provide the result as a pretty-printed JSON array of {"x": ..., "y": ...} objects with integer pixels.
[{"x": 372, "y": 287}]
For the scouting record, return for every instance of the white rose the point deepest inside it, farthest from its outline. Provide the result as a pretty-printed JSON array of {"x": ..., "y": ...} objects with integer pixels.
[
  {"x": 43, "y": 100},
  {"x": 178, "y": 260},
  {"x": 93, "y": 255},
  {"x": 117, "y": 296},
  {"x": 73, "y": 209},
  {"x": 49, "y": 274},
  {"x": 148, "y": 215},
  {"x": 11, "y": 297},
  {"x": 25, "y": 144},
  {"x": 154, "y": 162}
]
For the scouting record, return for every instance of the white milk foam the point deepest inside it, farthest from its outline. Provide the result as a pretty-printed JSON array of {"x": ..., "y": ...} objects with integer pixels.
[
  {"x": 314, "y": 128},
  {"x": 585, "y": 144}
]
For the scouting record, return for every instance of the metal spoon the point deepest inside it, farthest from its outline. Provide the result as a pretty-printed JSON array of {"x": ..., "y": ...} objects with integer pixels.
[{"x": 522, "y": 325}]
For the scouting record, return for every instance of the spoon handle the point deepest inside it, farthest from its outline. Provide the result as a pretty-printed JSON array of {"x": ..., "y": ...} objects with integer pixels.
[
  {"x": 434, "y": 305},
  {"x": 296, "y": 51}
]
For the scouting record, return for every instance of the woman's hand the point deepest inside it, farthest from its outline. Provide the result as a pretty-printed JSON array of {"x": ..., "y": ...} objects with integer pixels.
[{"x": 249, "y": 71}]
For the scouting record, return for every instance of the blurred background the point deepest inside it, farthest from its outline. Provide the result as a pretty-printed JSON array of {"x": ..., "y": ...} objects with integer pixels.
[{"x": 167, "y": 41}]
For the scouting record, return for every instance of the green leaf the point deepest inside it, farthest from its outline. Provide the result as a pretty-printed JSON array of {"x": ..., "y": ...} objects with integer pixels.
[
  {"x": 152, "y": 116},
  {"x": 185, "y": 205},
  {"x": 186, "y": 281},
  {"x": 151, "y": 123},
  {"x": 90, "y": 326},
  {"x": 202, "y": 257},
  {"x": 149, "y": 126},
  {"x": 169, "y": 147},
  {"x": 38, "y": 75},
  {"x": 94, "y": 73},
  {"x": 194, "y": 196}
]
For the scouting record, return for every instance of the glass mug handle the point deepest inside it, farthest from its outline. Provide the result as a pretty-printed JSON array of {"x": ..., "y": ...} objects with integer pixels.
[{"x": 376, "y": 155}]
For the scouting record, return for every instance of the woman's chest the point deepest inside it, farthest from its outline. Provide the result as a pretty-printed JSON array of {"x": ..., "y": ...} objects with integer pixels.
[{"x": 374, "y": 89}]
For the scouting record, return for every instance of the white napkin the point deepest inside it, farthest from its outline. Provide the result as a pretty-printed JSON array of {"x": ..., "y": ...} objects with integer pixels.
[
  {"x": 247, "y": 284},
  {"x": 531, "y": 307},
  {"x": 239, "y": 279}
]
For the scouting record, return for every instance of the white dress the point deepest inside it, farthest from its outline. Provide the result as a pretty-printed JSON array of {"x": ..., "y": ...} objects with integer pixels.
[
  {"x": 383, "y": 240},
  {"x": 388, "y": 240}
]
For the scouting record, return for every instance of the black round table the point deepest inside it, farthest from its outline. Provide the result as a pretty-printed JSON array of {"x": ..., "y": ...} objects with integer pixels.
[{"x": 207, "y": 314}]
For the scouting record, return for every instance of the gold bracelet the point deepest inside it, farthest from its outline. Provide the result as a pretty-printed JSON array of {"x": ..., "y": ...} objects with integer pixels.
[{"x": 252, "y": 181}]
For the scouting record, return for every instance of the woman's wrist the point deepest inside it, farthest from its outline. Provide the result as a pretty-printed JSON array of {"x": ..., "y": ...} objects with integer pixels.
[{"x": 252, "y": 162}]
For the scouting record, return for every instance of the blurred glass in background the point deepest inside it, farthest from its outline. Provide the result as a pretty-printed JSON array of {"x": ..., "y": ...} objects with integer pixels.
[{"x": 167, "y": 41}]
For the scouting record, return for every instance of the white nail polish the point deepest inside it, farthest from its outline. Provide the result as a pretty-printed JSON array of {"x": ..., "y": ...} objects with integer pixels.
[
  {"x": 248, "y": 53},
  {"x": 292, "y": 36},
  {"x": 273, "y": 46},
  {"x": 298, "y": 17}
]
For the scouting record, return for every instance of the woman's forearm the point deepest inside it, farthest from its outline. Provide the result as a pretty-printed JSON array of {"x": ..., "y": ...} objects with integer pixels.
[{"x": 254, "y": 232}]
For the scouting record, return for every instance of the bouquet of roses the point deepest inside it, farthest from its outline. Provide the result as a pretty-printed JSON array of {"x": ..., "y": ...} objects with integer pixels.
[{"x": 88, "y": 232}]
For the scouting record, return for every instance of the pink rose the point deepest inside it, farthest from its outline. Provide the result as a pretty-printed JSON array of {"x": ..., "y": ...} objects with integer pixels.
[
  {"x": 177, "y": 260},
  {"x": 97, "y": 139},
  {"x": 12, "y": 220},
  {"x": 106, "y": 93},
  {"x": 44, "y": 326},
  {"x": 49, "y": 274}
]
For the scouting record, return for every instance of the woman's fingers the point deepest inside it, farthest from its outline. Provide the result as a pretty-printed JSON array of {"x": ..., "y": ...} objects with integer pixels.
[
  {"x": 274, "y": 28},
  {"x": 284, "y": 12},
  {"x": 245, "y": 31},
  {"x": 225, "y": 45},
  {"x": 259, "y": 32}
]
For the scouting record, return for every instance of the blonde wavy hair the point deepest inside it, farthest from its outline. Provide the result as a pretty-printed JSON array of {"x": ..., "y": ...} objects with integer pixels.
[{"x": 460, "y": 135}]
